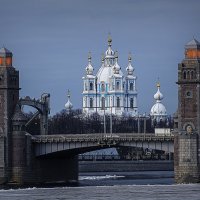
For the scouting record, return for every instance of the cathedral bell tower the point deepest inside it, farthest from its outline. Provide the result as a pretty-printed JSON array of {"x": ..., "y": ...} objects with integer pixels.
[
  {"x": 186, "y": 144},
  {"x": 9, "y": 96}
]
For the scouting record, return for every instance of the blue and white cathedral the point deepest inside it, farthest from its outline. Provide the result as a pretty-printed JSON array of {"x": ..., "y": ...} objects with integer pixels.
[{"x": 110, "y": 91}]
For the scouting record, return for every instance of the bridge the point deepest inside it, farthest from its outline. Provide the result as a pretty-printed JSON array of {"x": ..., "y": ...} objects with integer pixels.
[
  {"x": 28, "y": 159},
  {"x": 51, "y": 145}
]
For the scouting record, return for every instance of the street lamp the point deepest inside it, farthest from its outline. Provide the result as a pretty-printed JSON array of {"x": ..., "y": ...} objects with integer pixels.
[
  {"x": 138, "y": 123},
  {"x": 104, "y": 120},
  {"x": 145, "y": 123},
  {"x": 96, "y": 91},
  {"x": 111, "y": 117}
]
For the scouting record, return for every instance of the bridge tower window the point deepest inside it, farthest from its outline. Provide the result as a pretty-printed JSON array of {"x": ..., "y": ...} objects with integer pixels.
[
  {"x": 188, "y": 74},
  {"x": 192, "y": 74},
  {"x": 184, "y": 75}
]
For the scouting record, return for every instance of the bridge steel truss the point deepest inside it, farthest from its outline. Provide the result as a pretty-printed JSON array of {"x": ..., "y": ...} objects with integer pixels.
[
  {"x": 43, "y": 109},
  {"x": 81, "y": 143}
]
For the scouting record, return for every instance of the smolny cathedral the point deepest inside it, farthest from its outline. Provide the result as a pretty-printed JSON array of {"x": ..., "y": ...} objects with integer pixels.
[{"x": 110, "y": 91}]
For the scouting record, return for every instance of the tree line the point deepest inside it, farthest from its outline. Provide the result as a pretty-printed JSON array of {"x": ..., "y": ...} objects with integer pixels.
[{"x": 75, "y": 122}]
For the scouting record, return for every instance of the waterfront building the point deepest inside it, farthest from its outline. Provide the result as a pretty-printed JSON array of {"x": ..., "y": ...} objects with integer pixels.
[{"x": 110, "y": 90}]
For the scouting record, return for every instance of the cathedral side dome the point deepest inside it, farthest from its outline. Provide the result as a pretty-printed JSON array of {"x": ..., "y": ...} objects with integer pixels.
[
  {"x": 158, "y": 110},
  {"x": 89, "y": 69},
  {"x": 68, "y": 105},
  {"x": 129, "y": 68}
]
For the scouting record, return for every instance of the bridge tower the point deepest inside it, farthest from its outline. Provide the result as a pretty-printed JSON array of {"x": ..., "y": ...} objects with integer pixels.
[
  {"x": 9, "y": 96},
  {"x": 187, "y": 142}
]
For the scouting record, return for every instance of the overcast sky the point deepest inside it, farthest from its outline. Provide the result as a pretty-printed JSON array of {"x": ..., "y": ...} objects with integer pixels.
[{"x": 50, "y": 41}]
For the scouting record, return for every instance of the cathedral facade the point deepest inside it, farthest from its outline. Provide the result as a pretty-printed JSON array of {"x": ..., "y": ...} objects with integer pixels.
[{"x": 110, "y": 91}]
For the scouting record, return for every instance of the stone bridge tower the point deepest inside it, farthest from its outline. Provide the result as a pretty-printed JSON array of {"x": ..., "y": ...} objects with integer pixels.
[
  {"x": 9, "y": 96},
  {"x": 187, "y": 142}
]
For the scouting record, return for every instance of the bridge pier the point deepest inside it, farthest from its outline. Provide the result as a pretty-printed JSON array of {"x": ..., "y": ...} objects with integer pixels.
[
  {"x": 28, "y": 169},
  {"x": 186, "y": 166},
  {"x": 57, "y": 170}
]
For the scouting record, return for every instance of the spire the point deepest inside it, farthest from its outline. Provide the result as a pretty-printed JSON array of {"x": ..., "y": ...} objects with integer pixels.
[
  {"x": 89, "y": 69},
  {"x": 5, "y": 57},
  {"x": 109, "y": 52},
  {"x": 68, "y": 105},
  {"x": 129, "y": 68},
  {"x": 102, "y": 58},
  {"x": 109, "y": 40},
  {"x": 116, "y": 67},
  {"x": 193, "y": 44},
  {"x": 158, "y": 96}
]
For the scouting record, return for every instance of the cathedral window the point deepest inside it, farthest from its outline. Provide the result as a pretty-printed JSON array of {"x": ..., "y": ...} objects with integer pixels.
[
  {"x": 91, "y": 86},
  {"x": 117, "y": 85},
  {"x": 131, "y": 86},
  {"x": 103, "y": 87},
  {"x": 118, "y": 102},
  {"x": 85, "y": 87},
  {"x": 91, "y": 102},
  {"x": 131, "y": 103},
  {"x": 103, "y": 103},
  {"x": 85, "y": 102}
]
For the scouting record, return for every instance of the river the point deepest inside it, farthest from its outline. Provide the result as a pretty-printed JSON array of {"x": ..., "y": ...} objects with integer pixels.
[{"x": 112, "y": 186}]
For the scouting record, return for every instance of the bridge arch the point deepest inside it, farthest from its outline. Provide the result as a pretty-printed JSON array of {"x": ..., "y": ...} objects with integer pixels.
[{"x": 78, "y": 144}]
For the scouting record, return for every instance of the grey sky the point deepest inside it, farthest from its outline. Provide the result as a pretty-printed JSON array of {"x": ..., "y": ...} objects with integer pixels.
[{"x": 50, "y": 40}]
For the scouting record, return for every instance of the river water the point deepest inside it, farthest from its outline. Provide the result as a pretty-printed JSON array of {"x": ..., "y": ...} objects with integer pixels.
[{"x": 112, "y": 186}]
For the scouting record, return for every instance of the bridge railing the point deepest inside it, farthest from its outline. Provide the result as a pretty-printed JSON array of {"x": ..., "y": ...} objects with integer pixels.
[{"x": 100, "y": 137}]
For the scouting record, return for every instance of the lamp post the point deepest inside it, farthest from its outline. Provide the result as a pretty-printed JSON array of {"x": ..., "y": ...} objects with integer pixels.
[
  {"x": 104, "y": 121},
  {"x": 96, "y": 92},
  {"x": 145, "y": 123},
  {"x": 111, "y": 117},
  {"x": 138, "y": 123}
]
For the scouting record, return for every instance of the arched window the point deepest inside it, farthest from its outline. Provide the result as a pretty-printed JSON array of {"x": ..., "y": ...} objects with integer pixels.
[
  {"x": 91, "y": 102},
  {"x": 131, "y": 86},
  {"x": 91, "y": 86},
  {"x": 184, "y": 75},
  {"x": 188, "y": 74},
  {"x": 192, "y": 75},
  {"x": 131, "y": 102},
  {"x": 117, "y": 85},
  {"x": 85, "y": 102},
  {"x": 118, "y": 102},
  {"x": 103, "y": 87},
  {"x": 103, "y": 103}
]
